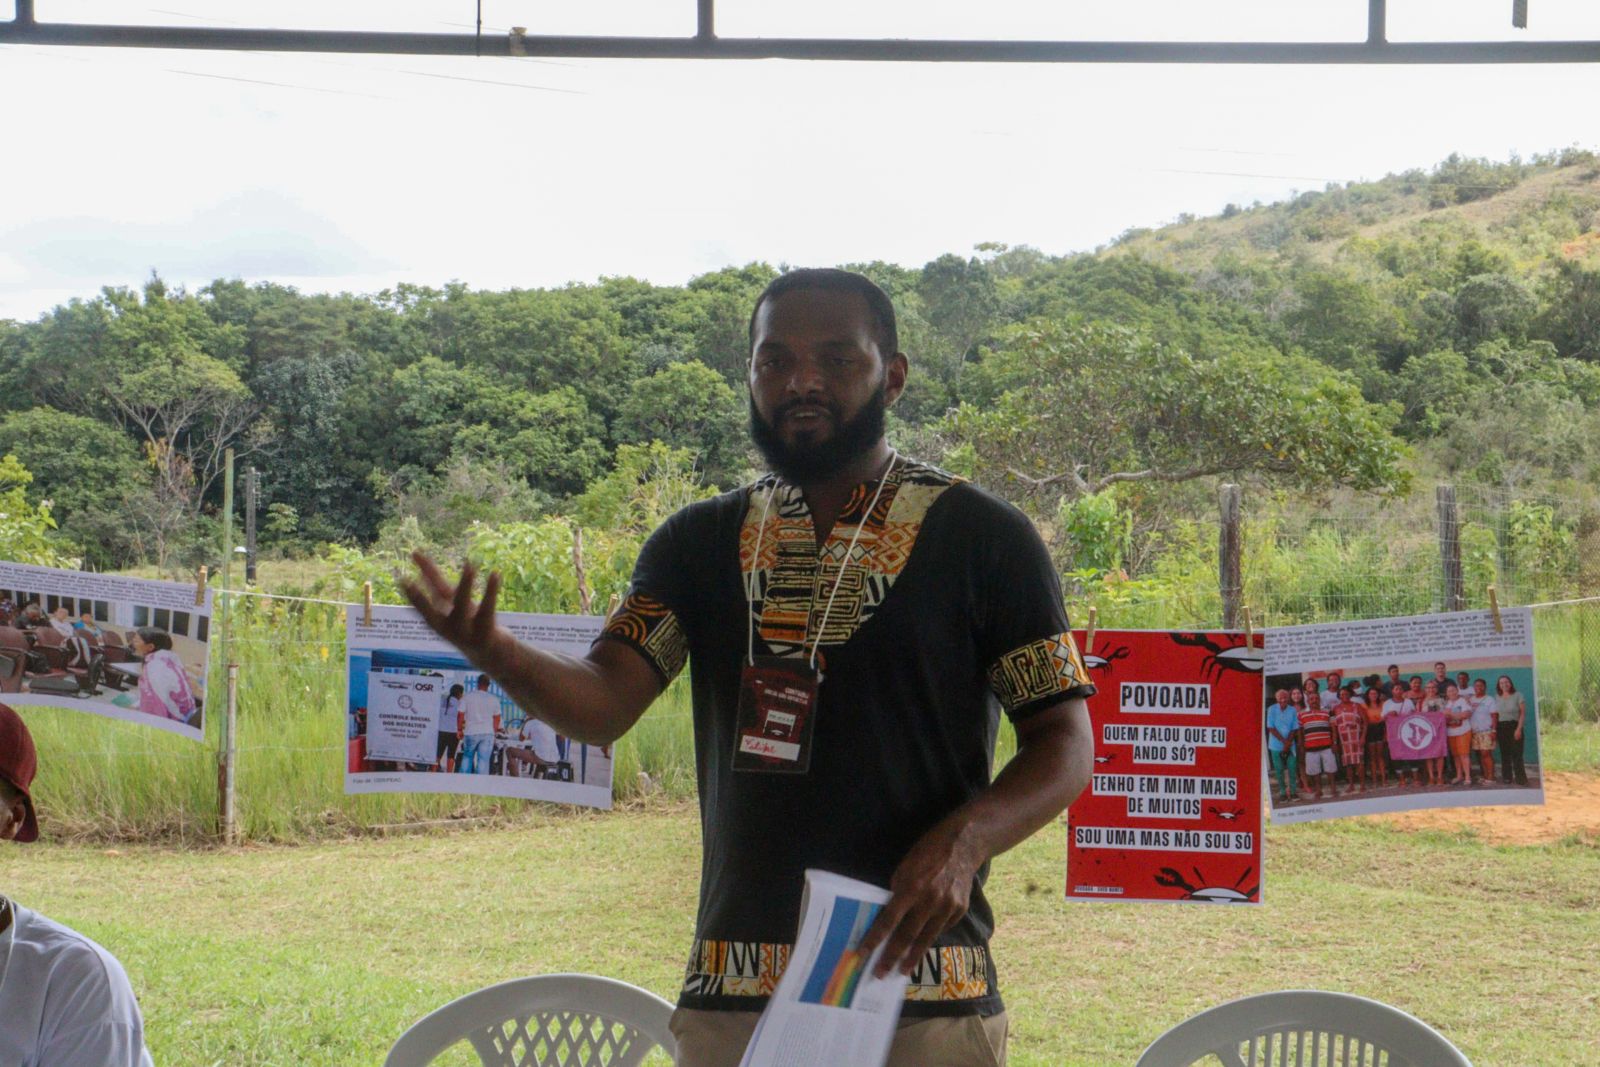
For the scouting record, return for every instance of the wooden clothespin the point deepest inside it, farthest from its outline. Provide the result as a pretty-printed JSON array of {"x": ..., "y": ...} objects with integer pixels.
[
  {"x": 1249, "y": 630},
  {"x": 1088, "y": 633},
  {"x": 200, "y": 587},
  {"x": 366, "y": 604},
  {"x": 1494, "y": 611}
]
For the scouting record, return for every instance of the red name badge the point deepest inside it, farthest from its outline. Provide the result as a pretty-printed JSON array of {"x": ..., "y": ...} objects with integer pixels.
[{"x": 777, "y": 715}]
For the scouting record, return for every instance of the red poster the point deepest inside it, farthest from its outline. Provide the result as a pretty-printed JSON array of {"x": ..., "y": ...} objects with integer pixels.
[{"x": 1173, "y": 811}]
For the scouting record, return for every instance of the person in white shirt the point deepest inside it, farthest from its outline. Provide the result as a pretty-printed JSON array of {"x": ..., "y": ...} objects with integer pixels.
[
  {"x": 1458, "y": 730},
  {"x": 64, "y": 1000},
  {"x": 164, "y": 686},
  {"x": 449, "y": 732},
  {"x": 1409, "y": 771},
  {"x": 1485, "y": 717},
  {"x": 61, "y": 622},
  {"x": 1330, "y": 695},
  {"x": 538, "y": 748},
  {"x": 479, "y": 722}
]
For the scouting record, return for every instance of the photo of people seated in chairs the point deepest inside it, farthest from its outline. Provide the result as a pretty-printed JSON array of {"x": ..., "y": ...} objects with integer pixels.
[
  {"x": 426, "y": 721},
  {"x": 124, "y": 660}
]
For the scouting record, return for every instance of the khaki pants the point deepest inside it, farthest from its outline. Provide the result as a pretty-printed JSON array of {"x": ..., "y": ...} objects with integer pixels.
[{"x": 718, "y": 1039}]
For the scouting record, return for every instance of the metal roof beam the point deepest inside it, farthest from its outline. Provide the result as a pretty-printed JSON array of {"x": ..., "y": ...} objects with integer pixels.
[{"x": 706, "y": 45}]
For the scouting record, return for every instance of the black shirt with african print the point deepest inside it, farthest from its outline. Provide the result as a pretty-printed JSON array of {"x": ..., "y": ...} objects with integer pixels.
[{"x": 950, "y": 609}]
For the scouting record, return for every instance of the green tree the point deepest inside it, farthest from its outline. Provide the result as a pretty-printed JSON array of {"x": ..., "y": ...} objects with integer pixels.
[
  {"x": 86, "y": 469},
  {"x": 439, "y": 511},
  {"x": 61, "y": 361},
  {"x": 1571, "y": 316},
  {"x": 1342, "y": 320},
  {"x": 690, "y": 406},
  {"x": 1080, "y": 407},
  {"x": 27, "y": 532},
  {"x": 77, "y": 463},
  {"x": 537, "y": 340},
  {"x": 550, "y": 440},
  {"x": 960, "y": 303},
  {"x": 185, "y": 406},
  {"x": 648, "y": 484},
  {"x": 725, "y": 299},
  {"x": 1433, "y": 389},
  {"x": 662, "y": 318},
  {"x": 1490, "y": 306}
]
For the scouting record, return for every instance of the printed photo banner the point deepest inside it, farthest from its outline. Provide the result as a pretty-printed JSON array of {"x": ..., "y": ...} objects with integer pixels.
[
  {"x": 1400, "y": 756},
  {"x": 133, "y": 649},
  {"x": 1173, "y": 812},
  {"x": 421, "y": 719}
]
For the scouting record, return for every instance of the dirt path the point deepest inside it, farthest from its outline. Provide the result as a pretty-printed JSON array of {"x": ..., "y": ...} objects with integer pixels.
[{"x": 1571, "y": 807}]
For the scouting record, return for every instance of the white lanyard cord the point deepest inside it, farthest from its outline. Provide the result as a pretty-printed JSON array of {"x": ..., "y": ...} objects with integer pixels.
[
  {"x": 755, "y": 577},
  {"x": 848, "y": 553},
  {"x": 755, "y": 564}
]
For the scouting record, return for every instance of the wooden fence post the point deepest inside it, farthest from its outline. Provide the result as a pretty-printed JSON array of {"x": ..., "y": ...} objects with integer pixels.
[
  {"x": 1229, "y": 579},
  {"x": 584, "y": 596},
  {"x": 1455, "y": 598},
  {"x": 252, "y": 489},
  {"x": 230, "y": 823}
]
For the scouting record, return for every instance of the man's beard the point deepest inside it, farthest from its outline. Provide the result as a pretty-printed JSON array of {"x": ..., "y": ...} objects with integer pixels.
[{"x": 809, "y": 462}]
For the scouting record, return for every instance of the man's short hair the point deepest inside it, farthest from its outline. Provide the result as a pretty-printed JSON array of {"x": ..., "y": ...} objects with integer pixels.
[{"x": 838, "y": 281}]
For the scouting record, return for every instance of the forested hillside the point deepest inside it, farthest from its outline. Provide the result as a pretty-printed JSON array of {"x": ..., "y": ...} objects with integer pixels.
[{"x": 1351, "y": 342}]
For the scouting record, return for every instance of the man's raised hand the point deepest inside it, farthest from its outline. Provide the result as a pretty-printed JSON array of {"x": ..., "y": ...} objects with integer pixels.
[{"x": 453, "y": 614}]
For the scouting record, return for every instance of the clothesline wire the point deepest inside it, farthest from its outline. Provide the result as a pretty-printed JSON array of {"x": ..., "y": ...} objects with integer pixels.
[{"x": 1563, "y": 603}]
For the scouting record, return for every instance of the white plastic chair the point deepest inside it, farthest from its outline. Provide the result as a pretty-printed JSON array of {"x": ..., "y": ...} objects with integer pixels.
[
  {"x": 1303, "y": 1028},
  {"x": 574, "y": 1020}
]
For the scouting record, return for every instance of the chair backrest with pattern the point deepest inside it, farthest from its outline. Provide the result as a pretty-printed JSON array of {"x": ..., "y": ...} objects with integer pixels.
[
  {"x": 1303, "y": 1028},
  {"x": 571, "y": 1020}
]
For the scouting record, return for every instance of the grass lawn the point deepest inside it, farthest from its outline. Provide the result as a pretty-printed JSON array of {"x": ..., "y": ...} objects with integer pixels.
[{"x": 322, "y": 953}]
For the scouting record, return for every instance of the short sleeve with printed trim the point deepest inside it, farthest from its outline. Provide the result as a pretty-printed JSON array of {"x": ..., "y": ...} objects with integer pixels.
[
  {"x": 1033, "y": 661},
  {"x": 646, "y": 619}
]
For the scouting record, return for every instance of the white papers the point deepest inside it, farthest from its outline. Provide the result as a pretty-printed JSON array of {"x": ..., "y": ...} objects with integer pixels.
[{"x": 828, "y": 1007}]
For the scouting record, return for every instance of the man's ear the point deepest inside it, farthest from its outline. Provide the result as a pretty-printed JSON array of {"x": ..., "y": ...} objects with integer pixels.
[{"x": 895, "y": 370}]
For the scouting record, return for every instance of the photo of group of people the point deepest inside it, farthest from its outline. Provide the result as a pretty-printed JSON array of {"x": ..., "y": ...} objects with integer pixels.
[
  {"x": 422, "y": 719},
  {"x": 125, "y": 648},
  {"x": 1455, "y": 725}
]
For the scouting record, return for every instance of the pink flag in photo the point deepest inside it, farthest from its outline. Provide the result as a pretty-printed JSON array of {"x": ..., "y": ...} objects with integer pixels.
[{"x": 1419, "y": 735}]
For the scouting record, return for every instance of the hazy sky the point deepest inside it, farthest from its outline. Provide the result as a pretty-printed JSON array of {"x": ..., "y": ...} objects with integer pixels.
[{"x": 354, "y": 172}]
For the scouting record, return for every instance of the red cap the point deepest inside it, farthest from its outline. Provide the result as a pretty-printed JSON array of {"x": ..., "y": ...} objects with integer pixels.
[{"x": 18, "y": 762}]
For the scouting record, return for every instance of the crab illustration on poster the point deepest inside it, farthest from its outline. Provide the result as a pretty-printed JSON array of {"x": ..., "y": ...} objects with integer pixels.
[{"x": 1173, "y": 810}]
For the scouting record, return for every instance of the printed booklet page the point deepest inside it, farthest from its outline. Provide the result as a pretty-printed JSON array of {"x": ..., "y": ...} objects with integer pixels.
[{"x": 828, "y": 1007}]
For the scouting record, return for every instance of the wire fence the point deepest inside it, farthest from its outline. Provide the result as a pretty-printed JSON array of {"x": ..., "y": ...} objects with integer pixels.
[{"x": 1348, "y": 557}]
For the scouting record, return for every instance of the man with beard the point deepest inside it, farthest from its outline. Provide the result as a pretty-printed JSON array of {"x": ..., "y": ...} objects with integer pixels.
[{"x": 846, "y": 697}]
